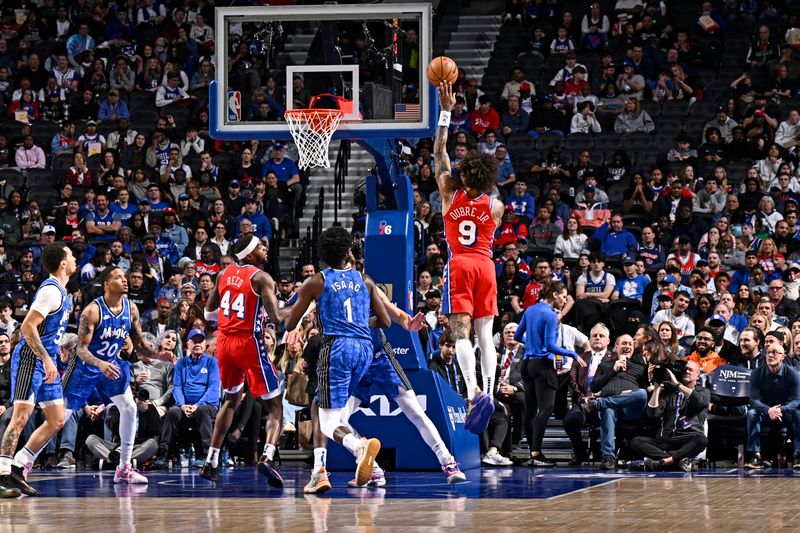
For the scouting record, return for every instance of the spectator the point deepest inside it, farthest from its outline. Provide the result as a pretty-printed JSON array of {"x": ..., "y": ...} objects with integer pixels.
[
  {"x": 79, "y": 43},
  {"x": 511, "y": 88},
  {"x": 632, "y": 285},
  {"x": 445, "y": 364},
  {"x": 514, "y": 119},
  {"x": 584, "y": 120},
  {"x": 615, "y": 241},
  {"x": 171, "y": 93},
  {"x": 633, "y": 119},
  {"x": 509, "y": 230},
  {"x": 571, "y": 243},
  {"x": 113, "y": 108},
  {"x": 711, "y": 200},
  {"x": 484, "y": 117},
  {"x": 629, "y": 83},
  {"x": 723, "y": 123},
  {"x": 261, "y": 225},
  {"x": 676, "y": 314},
  {"x": 522, "y": 203},
  {"x": 29, "y": 156},
  {"x": 704, "y": 355},
  {"x": 774, "y": 399},
  {"x": 91, "y": 142},
  {"x": 597, "y": 283},
  {"x": 196, "y": 393},
  {"x": 594, "y": 28},
  {"x": 620, "y": 382},
  {"x": 79, "y": 175},
  {"x": 287, "y": 172},
  {"x": 64, "y": 142},
  {"x": 680, "y": 405}
]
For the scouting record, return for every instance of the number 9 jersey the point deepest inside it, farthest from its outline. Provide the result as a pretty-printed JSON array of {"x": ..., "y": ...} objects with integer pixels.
[{"x": 470, "y": 285}]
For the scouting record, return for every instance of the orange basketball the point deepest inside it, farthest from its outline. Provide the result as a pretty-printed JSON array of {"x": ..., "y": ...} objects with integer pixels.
[{"x": 441, "y": 69}]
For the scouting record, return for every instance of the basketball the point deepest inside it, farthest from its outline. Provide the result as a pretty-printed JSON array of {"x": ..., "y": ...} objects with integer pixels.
[{"x": 441, "y": 69}]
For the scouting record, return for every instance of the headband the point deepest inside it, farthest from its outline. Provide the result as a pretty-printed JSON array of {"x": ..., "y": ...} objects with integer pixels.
[{"x": 249, "y": 249}]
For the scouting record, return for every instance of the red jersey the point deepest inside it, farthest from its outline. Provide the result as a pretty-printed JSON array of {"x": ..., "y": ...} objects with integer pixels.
[
  {"x": 531, "y": 296},
  {"x": 469, "y": 225},
  {"x": 239, "y": 306}
]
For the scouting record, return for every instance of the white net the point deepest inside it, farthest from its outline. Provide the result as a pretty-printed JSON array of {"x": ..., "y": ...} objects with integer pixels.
[{"x": 312, "y": 130}]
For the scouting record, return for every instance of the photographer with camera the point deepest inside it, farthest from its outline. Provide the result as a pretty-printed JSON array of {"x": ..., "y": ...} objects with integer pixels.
[
  {"x": 154, "y": 377},
  {"x": 681, "y": 406}
]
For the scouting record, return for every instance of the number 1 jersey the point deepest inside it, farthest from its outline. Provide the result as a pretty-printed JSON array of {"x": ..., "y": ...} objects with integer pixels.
[
  {"x": 469, "y": 225},
  {"x": 344, "y": 305},
  {"x": 240, "y": 308}
]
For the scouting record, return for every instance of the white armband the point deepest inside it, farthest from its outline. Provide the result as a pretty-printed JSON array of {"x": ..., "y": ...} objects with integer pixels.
[
  {"x": 211, "y": 316},
  {"x": 444, "y": 118}
]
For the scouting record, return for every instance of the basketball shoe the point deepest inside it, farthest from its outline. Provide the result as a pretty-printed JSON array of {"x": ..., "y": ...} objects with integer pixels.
[
  {"x": 129, "y": 475},
  {"x": 365, "y": 459},
  {"x": 318, "y": 484},
  {"x": 268, "y": 469},
  {"x": 480, "y": 410}
]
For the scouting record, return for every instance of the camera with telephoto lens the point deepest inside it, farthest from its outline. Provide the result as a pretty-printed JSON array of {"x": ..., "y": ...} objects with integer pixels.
[
  {"x": 142, "y": 394},
  {"x": 678, "y": 368}
]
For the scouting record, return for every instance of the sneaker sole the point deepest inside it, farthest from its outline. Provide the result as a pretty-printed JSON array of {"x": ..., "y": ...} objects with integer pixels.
[
  {"x": 455, "y": 479},
  {"x": 130, "y": 482},
  {"x": 274, "y": 478},
  {"x": 367, "y": 463},
  {"x": 320, "y": 488}
]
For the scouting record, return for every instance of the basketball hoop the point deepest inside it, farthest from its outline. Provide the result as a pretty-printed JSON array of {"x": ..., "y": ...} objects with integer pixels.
[{"x": 312, "y": 130}]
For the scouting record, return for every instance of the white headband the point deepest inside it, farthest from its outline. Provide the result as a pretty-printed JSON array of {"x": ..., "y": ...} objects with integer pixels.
[{"x": 250, "y": 247}]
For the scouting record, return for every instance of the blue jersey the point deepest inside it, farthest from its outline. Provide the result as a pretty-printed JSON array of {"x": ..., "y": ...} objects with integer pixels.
[
  {"x": 52, "y": 327},
  {"x": 344, "y": 305},
  {"x": 109, "y": 334}
]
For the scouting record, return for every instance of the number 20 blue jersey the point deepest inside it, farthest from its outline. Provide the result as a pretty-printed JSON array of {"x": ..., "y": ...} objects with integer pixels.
[
  {"x": 109, "y": 334},
  {"x": 344, "y": 306}
]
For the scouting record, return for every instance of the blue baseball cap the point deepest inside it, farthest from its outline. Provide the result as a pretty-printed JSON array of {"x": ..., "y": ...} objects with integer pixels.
[
  {"x": 717, "y": 318},
  {"x": 670, "y": 279},
  {"x": 196, "y": 332}
]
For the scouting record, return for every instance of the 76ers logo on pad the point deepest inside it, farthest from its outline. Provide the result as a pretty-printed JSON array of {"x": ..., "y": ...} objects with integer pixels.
[
  {"x": 384, "y": 228},
  {"x": 234, "y": 106}
]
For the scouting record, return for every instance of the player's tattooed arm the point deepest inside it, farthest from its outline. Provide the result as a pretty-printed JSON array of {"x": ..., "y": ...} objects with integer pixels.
[
  {"x": 142, "y": 345},
  {"x": 86, "y": 324},
  {"x": 440, "y": 158}
]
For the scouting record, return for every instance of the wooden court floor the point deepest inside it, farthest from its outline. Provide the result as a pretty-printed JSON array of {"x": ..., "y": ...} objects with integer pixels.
[{"x": 638, "y": 503}]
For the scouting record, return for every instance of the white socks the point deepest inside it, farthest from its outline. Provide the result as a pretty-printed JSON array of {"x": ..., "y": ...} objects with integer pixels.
[
  {"x": 466, "y": 360},
  {"x": 24, "y": 456},
  {"x": 213, "y": 456},
  {"x": 352, "y": 443},
  {"x": 269, "y": 451},
  {"x": 483, "y": 330},
  {"x": 320, "y": 458}
]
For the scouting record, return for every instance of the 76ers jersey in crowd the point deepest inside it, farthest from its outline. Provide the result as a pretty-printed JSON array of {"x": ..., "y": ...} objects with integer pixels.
[
  {"x": 344, "y": 304},
  {"x": 110, "y": 333},
  {"x": 54, "y": 324},
  {"x": 469, "y": 225},
  {"x": 241, "y": 311}
]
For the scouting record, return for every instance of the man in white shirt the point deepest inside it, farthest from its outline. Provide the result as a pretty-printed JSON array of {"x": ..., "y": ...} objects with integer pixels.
[
  {"x": 597, "y": 283},
  {"x": 677, "y": 315},
  {"x": 788, "y": 130}
]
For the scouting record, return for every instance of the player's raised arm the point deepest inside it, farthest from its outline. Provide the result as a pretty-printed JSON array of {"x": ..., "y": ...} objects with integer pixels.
[
  {"x": 310, "y": 290},
  {"x": 440, "y": 158},
  {"x": 90, "y": 317},
  {"x": 142, "y": 345}
]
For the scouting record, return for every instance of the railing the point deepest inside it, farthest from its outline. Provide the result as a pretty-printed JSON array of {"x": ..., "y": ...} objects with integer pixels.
[
  {"x": 308, "y": 250},
  {"x": 340, "y": 171}
]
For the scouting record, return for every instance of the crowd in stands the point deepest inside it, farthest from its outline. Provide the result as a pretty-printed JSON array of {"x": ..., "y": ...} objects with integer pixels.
[{"x": 647, "y": 157}]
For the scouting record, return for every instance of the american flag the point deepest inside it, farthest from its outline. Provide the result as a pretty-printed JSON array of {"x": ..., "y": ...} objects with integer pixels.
[{"x": 406, "y": 111}]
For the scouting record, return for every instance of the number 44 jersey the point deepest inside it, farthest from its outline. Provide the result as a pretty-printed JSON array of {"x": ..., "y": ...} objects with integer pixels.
[
  {"x": 241, "y": 311},
  {"x": 344, "y": 305}
]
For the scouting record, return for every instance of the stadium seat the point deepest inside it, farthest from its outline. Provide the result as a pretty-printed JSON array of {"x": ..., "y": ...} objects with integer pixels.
[
  {"x": 40, "y": 178},
  {"x": 12, "y": 179}
]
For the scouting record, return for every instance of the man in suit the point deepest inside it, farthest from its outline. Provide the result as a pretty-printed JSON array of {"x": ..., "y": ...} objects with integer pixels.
[
  {"x": 580, "y": 383},
  {"x": 509, "y": 388},
  {"x": 446, "y": 365}
]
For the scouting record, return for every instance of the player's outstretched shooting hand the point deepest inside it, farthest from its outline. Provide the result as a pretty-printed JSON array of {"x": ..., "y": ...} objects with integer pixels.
[{"x": 446, "y": 97}]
